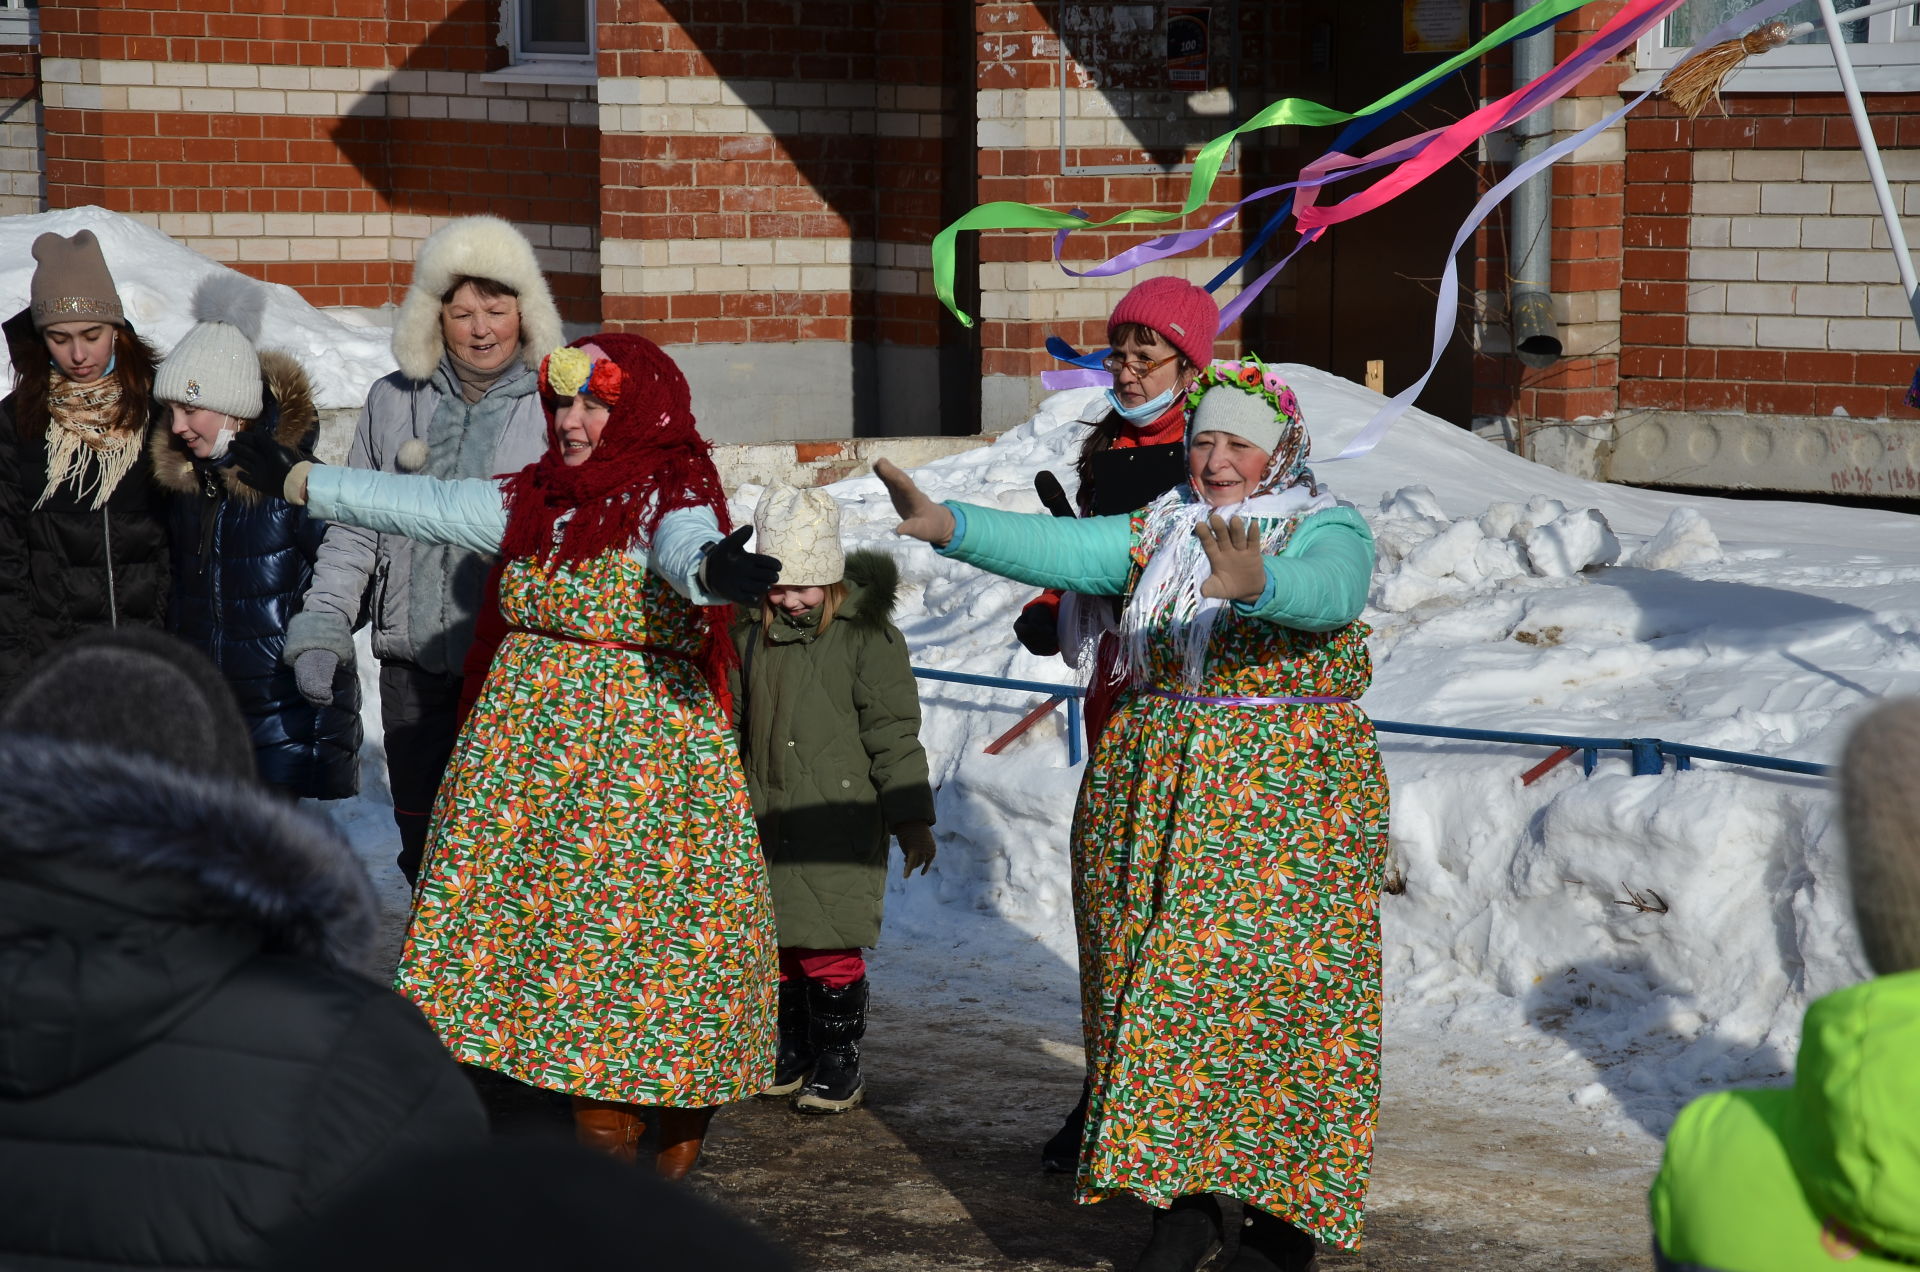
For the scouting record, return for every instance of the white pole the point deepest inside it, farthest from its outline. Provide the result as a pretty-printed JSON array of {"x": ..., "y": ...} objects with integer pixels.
[{"x": 1889, "y": 211}]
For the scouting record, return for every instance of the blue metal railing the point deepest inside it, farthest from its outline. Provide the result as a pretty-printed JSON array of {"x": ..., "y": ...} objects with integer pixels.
[{"x": 1648, "y": 755}]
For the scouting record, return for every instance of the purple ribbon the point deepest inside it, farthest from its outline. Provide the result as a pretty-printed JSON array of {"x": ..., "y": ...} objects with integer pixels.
[{"x": 1206, "y": 701}]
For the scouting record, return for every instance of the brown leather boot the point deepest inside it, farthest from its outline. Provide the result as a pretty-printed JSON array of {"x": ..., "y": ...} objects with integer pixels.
[
  {"x": 682, "y": 1132},
  {"x": 606, "y": 1127}
]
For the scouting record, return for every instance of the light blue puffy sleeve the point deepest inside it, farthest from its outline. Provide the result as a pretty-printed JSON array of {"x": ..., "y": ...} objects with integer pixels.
[
  {"x": 1092, "y": 555},
  {"x": 678, "y": 551},
  {"x": 1319, "y": 581},
  {"x": 468, "y": 513}
]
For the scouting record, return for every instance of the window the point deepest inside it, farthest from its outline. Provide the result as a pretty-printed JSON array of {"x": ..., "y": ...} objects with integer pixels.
[
  {"x": 19, "y": 22},
  {"x": 547, "y": 41},
  {"x": 1885, "y": 48}
]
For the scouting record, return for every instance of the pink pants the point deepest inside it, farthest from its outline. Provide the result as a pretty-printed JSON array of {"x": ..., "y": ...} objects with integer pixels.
[{"x": 836, "y": 969}]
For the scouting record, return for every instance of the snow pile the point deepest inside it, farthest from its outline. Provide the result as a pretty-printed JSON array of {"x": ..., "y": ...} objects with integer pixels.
[
  {"x": 1424, "y": 555},
  {"x": 156, "y": 277}
]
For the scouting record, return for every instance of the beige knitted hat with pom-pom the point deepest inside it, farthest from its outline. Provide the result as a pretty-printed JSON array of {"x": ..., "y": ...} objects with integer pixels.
[
  {"x": 801, "y": 529},
  {"x": 215, "y": 365}
]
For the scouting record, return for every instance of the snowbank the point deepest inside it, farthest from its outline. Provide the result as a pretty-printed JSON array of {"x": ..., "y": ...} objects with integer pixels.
[{"x": 156, "y": 277}]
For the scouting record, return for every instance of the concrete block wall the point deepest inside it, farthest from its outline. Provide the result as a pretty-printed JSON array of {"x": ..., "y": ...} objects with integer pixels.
[
  {"x": 22, "y": 158},
  {"x": 316, "y": 145}
]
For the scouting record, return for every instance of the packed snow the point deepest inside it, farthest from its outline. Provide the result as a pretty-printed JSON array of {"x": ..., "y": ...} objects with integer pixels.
[{"x": 156, "y": 276}]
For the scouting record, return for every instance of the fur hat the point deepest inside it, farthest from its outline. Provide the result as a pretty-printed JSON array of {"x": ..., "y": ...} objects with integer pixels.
[
  {"x": 1880, "y": 809},
  {"x": 473, "y": 247},
  {"x": 801, "y": 529},
  {"x": 71, "y": 282},
  {"x": 215, "y": 364},
  {"x": 140, "y": 692}
]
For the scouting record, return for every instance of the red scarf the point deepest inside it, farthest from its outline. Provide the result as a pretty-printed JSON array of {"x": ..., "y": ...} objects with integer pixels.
[{"x": 649, "y": 462}]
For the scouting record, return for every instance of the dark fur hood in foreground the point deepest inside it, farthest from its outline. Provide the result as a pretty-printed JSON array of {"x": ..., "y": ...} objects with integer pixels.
[{"x": 129, "y": 889}]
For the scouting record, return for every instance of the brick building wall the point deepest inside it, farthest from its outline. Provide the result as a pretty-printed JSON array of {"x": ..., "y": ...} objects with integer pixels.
[
  {"x": 316, "y": 145},
  {"x": 21, "y": 169},
  {"x": 771, "y": 177}
]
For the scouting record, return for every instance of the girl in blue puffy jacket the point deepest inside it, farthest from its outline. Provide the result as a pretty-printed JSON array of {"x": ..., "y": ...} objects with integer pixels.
[{"x": 241, "y": 561}]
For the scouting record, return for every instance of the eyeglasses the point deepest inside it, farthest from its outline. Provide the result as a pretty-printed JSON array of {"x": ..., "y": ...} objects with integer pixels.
[{"x": 1140, "y": 367}]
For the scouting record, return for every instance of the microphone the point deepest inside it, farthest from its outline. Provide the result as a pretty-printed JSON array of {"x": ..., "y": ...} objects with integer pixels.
[{"x": 1053, "y": 496}]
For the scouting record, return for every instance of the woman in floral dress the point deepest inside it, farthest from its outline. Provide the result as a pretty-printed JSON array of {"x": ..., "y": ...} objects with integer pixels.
[
  {"x": 1229, "y": 837},
  {"x": 593, "y": 915}
]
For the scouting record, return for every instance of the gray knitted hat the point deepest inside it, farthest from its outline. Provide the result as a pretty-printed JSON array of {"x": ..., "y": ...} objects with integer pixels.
[
  {"x": 139, "y": 691},
  {"x": 215, "y": 365},
  {"x": 71, "y": 282},
  {"x": 1880, "y": 810}
]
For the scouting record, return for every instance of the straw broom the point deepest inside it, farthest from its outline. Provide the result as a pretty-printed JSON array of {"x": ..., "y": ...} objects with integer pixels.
[{"x": 1698, "y": 80}]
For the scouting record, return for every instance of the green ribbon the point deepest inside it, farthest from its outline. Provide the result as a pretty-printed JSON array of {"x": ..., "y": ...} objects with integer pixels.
[{"x": 1007, "y": 215}]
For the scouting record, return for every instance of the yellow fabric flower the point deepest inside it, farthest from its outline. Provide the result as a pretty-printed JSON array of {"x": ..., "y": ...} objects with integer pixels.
[{"x": 567, "y": 371}]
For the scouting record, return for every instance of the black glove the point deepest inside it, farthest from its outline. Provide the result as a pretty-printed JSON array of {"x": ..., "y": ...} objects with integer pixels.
[
  {"x": 262, "y": 462},
  {"x": 1038, "y": 628},
  {"x": 741, "y": 576}
]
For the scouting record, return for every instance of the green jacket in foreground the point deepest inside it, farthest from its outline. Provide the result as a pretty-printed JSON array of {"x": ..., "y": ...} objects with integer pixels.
[
  {"x": 1824, "y": 1174},
  {"x": 830, "y": 737}
]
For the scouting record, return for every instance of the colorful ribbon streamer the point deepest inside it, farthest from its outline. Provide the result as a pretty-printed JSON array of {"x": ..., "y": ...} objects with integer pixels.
[{"x": 1007, "y": 215}]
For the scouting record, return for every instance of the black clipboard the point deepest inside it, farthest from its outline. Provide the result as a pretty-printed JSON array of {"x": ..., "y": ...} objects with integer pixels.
[{"x": 1126, "y": 480}]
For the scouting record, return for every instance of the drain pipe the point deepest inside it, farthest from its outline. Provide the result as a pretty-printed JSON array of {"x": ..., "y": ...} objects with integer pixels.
[{"x": 1536, "y": 338}]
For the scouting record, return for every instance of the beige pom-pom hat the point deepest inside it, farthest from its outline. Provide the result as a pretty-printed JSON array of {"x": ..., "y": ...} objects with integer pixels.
[{"x": 801, "y": 529}]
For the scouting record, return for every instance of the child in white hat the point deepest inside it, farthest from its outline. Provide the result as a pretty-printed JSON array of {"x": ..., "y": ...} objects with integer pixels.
[
  {"x": 829, "y": 724},
  {"x": 241, "y": 560}
]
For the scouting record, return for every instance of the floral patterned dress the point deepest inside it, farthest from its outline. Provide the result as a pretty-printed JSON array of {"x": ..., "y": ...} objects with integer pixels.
[
  {"x": 1227, "y": 870},
  {"x": 593, "y": 916}
]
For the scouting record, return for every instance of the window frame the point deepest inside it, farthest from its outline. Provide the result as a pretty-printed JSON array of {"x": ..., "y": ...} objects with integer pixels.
[
  {"x": 528, "y": 66},
  {"x": 19, "y": 23},
  {"x": 1888, "y": 61}
]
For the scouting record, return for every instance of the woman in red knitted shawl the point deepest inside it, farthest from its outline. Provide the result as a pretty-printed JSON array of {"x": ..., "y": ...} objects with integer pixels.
[{"x": 592, "y": 916}]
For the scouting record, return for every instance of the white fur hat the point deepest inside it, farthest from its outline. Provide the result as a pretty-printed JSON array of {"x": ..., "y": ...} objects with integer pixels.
[
  {"x": 801, "y": 529},
  {"x": 473, "y": 247},
  {"x": 215, "y": 364}
]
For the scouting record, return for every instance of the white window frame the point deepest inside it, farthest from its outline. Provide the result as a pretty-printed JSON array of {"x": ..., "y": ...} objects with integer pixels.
[
  {"x": 19, "y": 24},
  {"x": 1887, "y": 61},
  {"x": 535, "y": 67}
]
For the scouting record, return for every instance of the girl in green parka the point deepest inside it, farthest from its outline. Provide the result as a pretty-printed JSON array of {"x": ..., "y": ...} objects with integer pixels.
[{"x": 829, "y": 723}]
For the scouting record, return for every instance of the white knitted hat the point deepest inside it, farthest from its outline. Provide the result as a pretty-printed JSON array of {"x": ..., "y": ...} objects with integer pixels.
[
  {"x": 215, "y": 364},
  {"x": 801, "y": 529},
  {"x": 1241, "y": 412}
]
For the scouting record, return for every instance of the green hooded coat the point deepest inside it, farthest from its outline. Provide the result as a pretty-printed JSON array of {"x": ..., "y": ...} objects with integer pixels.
[
  {"x": 830, "y": 737},
  {"x": 1824, "y": 1174}
]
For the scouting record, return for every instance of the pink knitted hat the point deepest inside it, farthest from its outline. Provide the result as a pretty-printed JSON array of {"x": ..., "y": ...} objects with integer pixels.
[{"x": 1179, "y": 311}]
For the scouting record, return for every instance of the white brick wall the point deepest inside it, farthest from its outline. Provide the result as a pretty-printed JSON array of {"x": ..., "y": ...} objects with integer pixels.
[
  {"x": 1789, "y": 252},
  {"x": 760, "y": 108},
  {"x": 22, "y": 162}
]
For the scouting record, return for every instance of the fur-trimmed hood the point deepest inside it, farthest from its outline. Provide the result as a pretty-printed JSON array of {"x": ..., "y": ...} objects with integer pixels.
[
  {"x": 130, "y": 889},
  {"x": 873, "y": 589},
  {"x": 473, "y": 247},
  {"x": 288, "y": 410}
]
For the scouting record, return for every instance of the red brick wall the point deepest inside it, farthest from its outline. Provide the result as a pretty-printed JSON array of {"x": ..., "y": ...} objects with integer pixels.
[{"x": 205, "y": 162}]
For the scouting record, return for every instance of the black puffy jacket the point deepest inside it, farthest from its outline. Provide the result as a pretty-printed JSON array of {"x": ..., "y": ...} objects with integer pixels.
[
  {"x": 66, "y": 567},
  {"x": 241, "y": 562},
  {"x": 187, "y": 1057}
]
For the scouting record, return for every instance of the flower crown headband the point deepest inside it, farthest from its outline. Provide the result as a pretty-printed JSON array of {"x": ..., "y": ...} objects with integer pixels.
[
  {"x": 1249, "y": 375},
  {"x": 569, "y": 371}
]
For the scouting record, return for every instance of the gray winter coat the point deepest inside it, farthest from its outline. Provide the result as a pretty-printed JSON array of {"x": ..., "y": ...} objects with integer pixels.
[{"x": 424, "y": 598}]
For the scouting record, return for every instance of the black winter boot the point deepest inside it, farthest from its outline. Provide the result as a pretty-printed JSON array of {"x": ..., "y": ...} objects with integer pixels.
[
  {"x": 1186, "y": 1236},
  {"x": 794, "y": 1063},
  {"x": 1269, "y": 1243},
  {"x": 837, "y": 1021},
  {"x": 1061, "y": 1154}
]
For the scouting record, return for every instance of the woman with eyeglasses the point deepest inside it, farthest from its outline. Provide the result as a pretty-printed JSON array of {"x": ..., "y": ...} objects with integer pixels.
[{"x": 1162, "y": 336}]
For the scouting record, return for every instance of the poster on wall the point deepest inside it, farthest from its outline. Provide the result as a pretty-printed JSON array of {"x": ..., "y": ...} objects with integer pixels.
[
  {"x": 1187, "y": 47},
  {"x": 1433, "y": 26}
]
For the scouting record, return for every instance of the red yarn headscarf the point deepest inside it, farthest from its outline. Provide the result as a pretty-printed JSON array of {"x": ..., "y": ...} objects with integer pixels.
[{"x": 649, "y": 461}]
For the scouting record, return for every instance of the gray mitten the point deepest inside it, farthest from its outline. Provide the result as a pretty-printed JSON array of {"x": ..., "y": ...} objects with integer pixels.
[{"x": 313, "y": 674}]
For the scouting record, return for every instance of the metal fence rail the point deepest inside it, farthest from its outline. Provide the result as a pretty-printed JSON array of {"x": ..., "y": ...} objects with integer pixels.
[{"x": 1648, "y": 755}]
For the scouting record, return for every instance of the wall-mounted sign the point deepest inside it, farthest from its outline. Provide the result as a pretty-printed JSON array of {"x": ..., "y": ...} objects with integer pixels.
[
  {"x": 1187, "y": 47},
  {"x": 1433, "y": 26}
]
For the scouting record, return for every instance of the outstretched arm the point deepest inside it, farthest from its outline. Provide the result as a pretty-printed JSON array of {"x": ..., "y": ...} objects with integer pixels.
[{"x": 468, "y": 513}]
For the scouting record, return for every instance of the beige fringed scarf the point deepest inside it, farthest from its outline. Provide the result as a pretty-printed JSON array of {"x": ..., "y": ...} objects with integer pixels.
[{"x": 84, "y": 449}]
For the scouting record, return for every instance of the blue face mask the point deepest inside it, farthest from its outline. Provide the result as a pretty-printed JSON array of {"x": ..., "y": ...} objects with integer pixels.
[{"x": 1145, "y": 413}]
